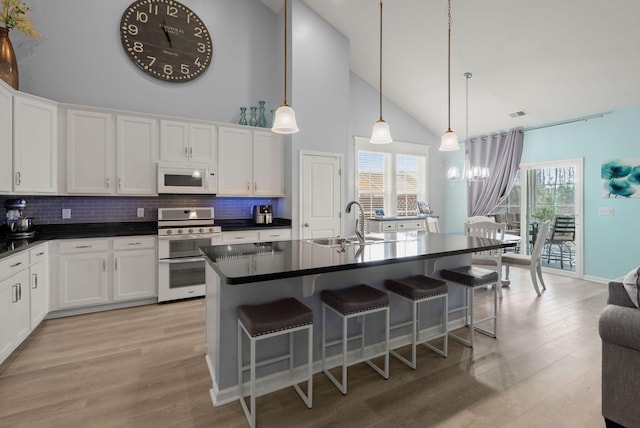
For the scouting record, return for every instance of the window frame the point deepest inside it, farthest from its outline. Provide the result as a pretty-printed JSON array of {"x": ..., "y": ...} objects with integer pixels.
[{"x": 394, "y": 149}]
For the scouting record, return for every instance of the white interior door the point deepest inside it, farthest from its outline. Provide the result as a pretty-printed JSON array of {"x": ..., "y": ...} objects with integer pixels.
[{"x": 321, "y": 196}]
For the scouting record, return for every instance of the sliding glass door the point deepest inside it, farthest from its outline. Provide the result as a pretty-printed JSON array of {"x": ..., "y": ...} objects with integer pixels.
[{"x": 552, "y": 191}]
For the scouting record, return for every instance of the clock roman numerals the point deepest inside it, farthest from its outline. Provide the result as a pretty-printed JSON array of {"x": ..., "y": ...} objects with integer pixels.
[{"x": 166, "y": 40}]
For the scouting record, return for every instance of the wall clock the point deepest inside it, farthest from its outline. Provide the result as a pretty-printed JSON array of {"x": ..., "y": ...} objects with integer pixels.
[{"x": 166, "y": 40}]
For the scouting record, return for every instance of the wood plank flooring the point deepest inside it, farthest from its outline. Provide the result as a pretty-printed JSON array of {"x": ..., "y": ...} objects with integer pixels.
[{"x": 145, "y": 367}]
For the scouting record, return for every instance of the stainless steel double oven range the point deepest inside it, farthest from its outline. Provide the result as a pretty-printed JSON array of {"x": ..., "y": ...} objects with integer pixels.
[{"x": 181, "y": 266}]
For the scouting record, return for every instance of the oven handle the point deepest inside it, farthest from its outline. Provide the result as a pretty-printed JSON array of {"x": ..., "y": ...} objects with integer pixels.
[
  {"x": 186, "y": 237},
  {"x": 182, "y": 260}
]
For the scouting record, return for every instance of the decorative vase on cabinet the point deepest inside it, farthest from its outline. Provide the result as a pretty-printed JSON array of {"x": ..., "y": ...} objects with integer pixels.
[
  {"x": 262, "y": 121},
  {"x": 243, "y": 116},
  {"x": 252, "y": 120},
  {"x": 8, "y": 63}
]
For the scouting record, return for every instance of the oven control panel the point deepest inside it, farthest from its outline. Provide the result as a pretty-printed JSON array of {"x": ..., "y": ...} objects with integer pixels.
[{"x": 177, "y": 231}]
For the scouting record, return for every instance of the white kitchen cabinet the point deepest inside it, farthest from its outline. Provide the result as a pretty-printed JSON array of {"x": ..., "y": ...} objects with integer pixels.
[
  {"x": 14, "y": 303},
  {"x": 99, "y": 162},
  {"x": 39, "y": 283},
  {"x": 235, "y": 161},
  {"x": 90, "y": 152},
  {"x": 250, "y": 163},
  {"x": 35, "y": 150},
  {"x": 240, "y": 237},
  {"x": 6, "y": 139},
  {"x": 134, "y": 268},
  {"x": 268, "y": 164},
  {"x": 274, "y": 235},
  {"x": 188, "y": 142},
  {"x": 136, "y": 155},
  {"x": 82, "y": 273},
  {"x": 255, "y": 264},
  {"x": 395, "y": 225}
]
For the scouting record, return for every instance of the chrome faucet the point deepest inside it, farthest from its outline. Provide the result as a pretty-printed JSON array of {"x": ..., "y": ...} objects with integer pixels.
[{"x": 359, "y": 220}]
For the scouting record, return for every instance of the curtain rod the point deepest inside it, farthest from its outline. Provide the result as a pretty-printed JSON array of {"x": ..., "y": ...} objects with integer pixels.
[{"x": 564, "y": 122}]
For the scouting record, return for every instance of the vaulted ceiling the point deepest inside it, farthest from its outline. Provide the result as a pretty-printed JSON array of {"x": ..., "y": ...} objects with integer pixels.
[{"x": 554, "y": 60}]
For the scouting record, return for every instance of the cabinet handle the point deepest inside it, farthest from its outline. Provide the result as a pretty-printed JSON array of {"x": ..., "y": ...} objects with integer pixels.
[
  {"x": 248, "y": 186},
  {"x": 14, "y": 292},
  {"x": 35, "y": 281},
  {"x": 19, "y": 292},
  {"x": 239, "y": 237},
  {"x": 119, "y": 183},
  {"x": 104, "y": 265},
  {"x": 134, "y": 243},
  {"x": 186, "y": 151},
  {"x": 116, "y": 264},
  {"x": 16, "y": 264},
  {"x": 108, "y": 182},
  {"x": 255, "y": 186},
  {"x": 40, "y": 254},
  {"x": 83, "y": 246},
  {"x": 18, "y": 178},
  {"x": 190, "y": 152}
]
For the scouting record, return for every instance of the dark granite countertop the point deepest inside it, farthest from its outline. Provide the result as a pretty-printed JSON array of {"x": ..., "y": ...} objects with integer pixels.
[
  {"x": 249, "y": 224},
  {"x": 75, "y": 231},
  {"x": 301, "y": 257}
]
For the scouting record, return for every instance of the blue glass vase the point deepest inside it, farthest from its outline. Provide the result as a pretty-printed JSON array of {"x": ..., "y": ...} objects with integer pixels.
[
  {"x": 262, "y": 121},
  {"x": 243, "y": 116},
  {"x": 253, "y": 121}
]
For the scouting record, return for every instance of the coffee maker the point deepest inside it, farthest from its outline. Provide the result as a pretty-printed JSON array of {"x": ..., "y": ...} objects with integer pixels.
[
  {"x": 17, "y": 225},
  {"x": 263, "y": 214}
]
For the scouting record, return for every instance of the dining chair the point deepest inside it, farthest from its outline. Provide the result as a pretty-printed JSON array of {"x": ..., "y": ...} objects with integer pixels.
[
  {"x": 489, "y": 258},
  {"x": 479, "y": 218},
  {"x": 563, "y": 233},
  {"x": 533, "y": 262}
]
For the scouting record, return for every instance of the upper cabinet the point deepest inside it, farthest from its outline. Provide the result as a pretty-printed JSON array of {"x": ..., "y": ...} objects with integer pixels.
[
  {"x": 6, "y": 140},
  {"x": 186, "y": 142},
  {"x": 251, "y": 163},
  {"x": 103, "y": 161},
  {"x": 35, "y": 149}
]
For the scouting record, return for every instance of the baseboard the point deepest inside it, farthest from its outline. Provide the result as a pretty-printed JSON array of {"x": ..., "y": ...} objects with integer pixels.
[{"x": 99, "y": 308}]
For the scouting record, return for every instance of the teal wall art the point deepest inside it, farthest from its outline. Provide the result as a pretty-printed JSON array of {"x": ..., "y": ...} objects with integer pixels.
[{"x": 621, "y": 178}]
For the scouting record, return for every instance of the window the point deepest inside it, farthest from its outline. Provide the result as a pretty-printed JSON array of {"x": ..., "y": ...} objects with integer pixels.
[{"x": 391, "y": 177}]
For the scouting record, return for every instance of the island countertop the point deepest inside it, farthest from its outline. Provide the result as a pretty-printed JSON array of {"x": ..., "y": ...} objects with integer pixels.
[{"x": 237, "y": 264}]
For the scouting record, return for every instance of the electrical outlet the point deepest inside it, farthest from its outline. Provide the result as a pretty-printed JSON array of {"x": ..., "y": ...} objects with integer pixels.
[
  {"x": 607, "y": 211},
  {"x": 66, "y": 213},
  {"x": 140, "y": 212}
]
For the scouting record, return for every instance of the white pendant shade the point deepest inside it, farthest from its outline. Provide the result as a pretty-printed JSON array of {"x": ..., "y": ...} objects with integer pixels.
[
  {"x": 449, "y": 142},
  {"x": 284, "y": 121},
  {"x": 381, "y": 133}
]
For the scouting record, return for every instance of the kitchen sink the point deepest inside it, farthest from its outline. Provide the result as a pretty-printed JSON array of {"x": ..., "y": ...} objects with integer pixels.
[{"x": 348, "y": 241}]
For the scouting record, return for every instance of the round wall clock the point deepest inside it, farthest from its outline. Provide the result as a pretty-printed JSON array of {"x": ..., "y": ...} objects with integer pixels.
[{"x": 166, "y": 40}]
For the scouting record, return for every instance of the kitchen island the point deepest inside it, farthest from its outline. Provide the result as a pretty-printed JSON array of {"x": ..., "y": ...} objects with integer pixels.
[{"x": 263, "y": 272}]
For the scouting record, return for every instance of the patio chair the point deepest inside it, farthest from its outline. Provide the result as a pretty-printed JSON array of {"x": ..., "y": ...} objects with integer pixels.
[{"x": 563, "y": 234}]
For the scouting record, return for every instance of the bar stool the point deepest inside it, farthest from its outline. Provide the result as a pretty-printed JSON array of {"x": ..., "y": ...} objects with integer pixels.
[
  {"x": 266, "y": 321},
  {"x": 352, "y": 302},
  {"x": 419, "y": 289},
  {"x": 471, "y": 277}
]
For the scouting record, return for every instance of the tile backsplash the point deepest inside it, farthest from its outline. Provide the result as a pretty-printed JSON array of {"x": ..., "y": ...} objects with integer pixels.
[{"x": 101, "y": 209}]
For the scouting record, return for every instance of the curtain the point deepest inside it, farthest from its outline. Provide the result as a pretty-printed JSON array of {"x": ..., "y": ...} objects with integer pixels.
[{"x": 501, "y": 153}]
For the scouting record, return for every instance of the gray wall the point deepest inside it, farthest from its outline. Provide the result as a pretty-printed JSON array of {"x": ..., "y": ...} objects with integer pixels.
[{"x": 80, "y": 60}]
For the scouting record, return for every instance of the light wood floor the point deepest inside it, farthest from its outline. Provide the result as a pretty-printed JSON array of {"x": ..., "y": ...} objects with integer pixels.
[{"x": 144, "y": 367}]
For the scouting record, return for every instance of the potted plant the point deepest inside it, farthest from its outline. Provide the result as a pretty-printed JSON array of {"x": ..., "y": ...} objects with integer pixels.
[{"x": 13, "y": 15}]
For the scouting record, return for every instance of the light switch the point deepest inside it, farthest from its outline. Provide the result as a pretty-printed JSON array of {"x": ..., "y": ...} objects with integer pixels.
[
  {"x": 66, "y": 213},
  {"x": 608, "y": 211},
  {"x": 140, "y": 212}
]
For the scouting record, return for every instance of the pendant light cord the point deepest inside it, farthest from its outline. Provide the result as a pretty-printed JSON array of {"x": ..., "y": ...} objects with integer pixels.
[
  {"x": 380, "y": 59},
  {"x": 448, "y": 68},
  {"x": 285, "y": 52}
]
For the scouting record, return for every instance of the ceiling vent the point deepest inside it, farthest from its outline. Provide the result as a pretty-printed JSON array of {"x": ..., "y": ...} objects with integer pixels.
[{"x": 517, "y": 114}]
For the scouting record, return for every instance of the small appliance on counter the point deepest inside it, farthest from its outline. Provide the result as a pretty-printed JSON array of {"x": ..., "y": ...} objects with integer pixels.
[
  {"x": 263, "y": 214},
  {"x": 17, "y": 225}
]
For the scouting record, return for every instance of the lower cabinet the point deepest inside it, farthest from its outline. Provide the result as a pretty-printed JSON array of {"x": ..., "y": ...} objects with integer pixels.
[
  {"x": 101, "y": 271},
  {"x": 39, "y": 283},
  {"x": 15, "y": 323}
]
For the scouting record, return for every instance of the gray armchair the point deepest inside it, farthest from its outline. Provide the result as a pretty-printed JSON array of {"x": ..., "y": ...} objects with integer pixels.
[{"x": 619, "y": 328}]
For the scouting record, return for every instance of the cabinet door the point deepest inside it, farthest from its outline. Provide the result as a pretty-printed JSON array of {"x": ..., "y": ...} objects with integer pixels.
[
  {"x": 14, "y": 312},
  {"x": 174, "y": 141},
  {"x": 90, "y": 152},
  {"x": 203, "y": 144},
  {"x": 268, "y": 263},
  {"x": 39, "y": 293},
  {"x": 235, "y": 162},
  {"x": 82, "y": 280},
  {"x": 268, "y": 164},
  {"x": 35, "y": 152},
  {"x": 6, "y": 140},
  {"x": 137, "y": 154},
  {"x": 134, "y": 274}
]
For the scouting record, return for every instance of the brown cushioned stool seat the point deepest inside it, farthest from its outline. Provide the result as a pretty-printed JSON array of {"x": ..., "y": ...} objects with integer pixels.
[
  {"x": 275, "y": 316},
  {"x": 418, "y": 289},
  {"x": 262, "y": 322},
  {"x": 355, "y": 299},
  {"x": 472, "y": 277},
  {"x": 352, "y": 302}
]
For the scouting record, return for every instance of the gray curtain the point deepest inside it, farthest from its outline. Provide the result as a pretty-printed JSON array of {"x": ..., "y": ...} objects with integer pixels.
[{"x": 501, "y": 153}]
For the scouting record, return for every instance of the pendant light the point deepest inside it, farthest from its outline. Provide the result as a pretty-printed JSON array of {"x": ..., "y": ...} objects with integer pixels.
[
  {"x": 449, "y": 140},
  {"x": 381, "y": 133},
  {"x": 284, "y": 121}
]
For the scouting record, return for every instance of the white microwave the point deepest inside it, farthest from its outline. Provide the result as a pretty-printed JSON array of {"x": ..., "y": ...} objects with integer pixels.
[{"x": 186, "y": 179}]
